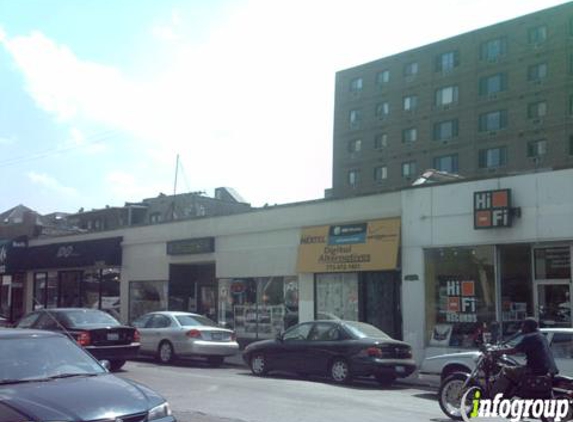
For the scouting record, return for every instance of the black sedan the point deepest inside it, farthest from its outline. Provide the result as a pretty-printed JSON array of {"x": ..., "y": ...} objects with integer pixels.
[
  {"x": 98, "y": 332},
  {"x": 339, "y": 349},
  {"x": 45, "y": 376}
]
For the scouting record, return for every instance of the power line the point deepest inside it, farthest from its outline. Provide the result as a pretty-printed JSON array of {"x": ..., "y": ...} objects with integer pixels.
[{"x": 91, "y": 140}]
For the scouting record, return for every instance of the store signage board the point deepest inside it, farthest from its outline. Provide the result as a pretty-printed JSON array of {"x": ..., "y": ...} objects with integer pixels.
[
  {"x": 492, "y": 209},
  {"x": 191, "y": 246},
  {"x": 366, "y": 246}
]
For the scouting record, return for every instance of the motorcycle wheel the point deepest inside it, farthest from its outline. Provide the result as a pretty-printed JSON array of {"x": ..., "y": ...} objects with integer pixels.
[{"x": 451, "y": 393}]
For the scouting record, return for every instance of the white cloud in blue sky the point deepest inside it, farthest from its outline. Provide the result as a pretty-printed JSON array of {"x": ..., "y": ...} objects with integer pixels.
[{"x": 242, "y": 90}]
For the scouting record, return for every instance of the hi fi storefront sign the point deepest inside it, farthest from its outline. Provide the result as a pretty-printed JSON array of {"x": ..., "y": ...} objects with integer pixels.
[
  {"x": 365, "y": 246},
  {"x": 492, "y": 209}
]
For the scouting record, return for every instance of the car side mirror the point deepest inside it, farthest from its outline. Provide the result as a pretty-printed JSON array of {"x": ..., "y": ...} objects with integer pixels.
[{"x": 106, "y": 364}]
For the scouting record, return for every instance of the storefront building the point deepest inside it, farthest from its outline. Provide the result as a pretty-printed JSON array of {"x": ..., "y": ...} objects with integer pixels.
[
  {"x": 257, "y": 273},
  {"x": 12, "y": 285},
  {"x": 76, "y": 273},
  {"x": 483, "y": 255}
]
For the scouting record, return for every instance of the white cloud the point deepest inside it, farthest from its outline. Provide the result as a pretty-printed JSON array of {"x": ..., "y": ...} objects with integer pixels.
[
  {"x": 6, "y": 141},
  {"x": 125, "y": 186},
  {"x": 51, "y": 184},
  {"x": 77, "y": 140},
  {"x": 170, "y": 30}
]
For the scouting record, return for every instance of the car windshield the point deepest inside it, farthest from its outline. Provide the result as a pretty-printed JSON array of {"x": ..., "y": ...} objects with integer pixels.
[
  {"x": 362, "y": 330},
  {"x": 42, "y": 357},
  {"x": 83, "y": 318},
  {"x": 194, "y": 320}
]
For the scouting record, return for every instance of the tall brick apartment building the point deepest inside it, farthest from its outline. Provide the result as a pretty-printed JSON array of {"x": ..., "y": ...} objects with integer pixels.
[{"x": 497, "y": 100}]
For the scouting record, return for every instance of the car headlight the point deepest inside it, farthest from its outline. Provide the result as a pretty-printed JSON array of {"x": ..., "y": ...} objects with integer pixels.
[{"x": 158, "y": 412}]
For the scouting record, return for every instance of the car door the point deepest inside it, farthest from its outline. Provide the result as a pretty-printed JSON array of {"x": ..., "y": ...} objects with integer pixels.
[
  {"x": 145, "y": 338},
  {"x": 324, "y": 341},
  {"x": 562, "y": 347},
  {"x": 289, "y": 352},
  {"x": 157, "y": 329}
]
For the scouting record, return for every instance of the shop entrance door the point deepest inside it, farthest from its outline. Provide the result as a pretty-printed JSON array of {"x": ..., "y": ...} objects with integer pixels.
[{"x": 553, "y": 303}]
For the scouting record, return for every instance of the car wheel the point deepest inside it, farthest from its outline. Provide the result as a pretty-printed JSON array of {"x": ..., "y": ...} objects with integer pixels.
[
  {"x": 340, "y": 371},
  {"x": 165, "y": 353},
  {"x": 115, "y": 365},
  {"x": 259, "y": 365},
  {"x": 215, "y": 361},
  {"x": 385, "y": 380}
]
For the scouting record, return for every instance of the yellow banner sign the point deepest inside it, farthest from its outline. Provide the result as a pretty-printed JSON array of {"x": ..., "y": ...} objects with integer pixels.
[{"x": 369, "y": 246}]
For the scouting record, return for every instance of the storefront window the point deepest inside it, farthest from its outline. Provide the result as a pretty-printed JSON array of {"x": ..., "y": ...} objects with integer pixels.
[
  {"x": 146, "y": 296},
  {"x": 460, "y": 293},
  {"x": 110, "y": 281},
  {"x": 337, "y": 296},
  {"x": 40, "y": 283},
  {"x": 516, "y": 291},
  {"x": 553, "y": 263},
  {"x": 90, "y": 289},
  {"x": 258, "y": 307},
  {"x": 70, "y": 289},
  {"x": 5, "y": 284}
]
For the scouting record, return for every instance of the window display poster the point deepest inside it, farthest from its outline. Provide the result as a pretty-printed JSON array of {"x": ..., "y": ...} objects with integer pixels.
[{"x": 457, "y": 301}]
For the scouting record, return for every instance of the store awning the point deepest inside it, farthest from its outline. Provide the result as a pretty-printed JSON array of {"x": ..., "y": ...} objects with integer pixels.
[{"x": 364, "y": 246}]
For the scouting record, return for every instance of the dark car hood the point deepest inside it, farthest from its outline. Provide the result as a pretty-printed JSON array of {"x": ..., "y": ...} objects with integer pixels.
[{"x": 78, "y": 399}]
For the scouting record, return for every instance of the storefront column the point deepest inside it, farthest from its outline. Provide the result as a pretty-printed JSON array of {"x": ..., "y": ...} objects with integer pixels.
[
  {"x": 29, "y": 292},
  {"x": 414, "y": 299},
  {"x": 306, "y": 297}
]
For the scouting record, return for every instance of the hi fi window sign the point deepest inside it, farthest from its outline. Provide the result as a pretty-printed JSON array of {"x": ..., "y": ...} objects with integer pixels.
[{"x": 492, "y": 209}]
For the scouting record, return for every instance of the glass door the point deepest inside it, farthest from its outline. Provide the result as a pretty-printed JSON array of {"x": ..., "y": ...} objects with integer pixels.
[
  {"x": 552, "y": 288},
  {"x": 553, "y": 301}
]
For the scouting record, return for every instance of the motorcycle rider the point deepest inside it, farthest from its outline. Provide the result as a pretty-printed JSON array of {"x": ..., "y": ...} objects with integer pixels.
[{"x": 539, "y": 358}]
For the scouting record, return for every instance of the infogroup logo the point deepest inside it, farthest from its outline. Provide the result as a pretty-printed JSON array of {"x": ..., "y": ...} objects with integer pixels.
[{"x": 513, "y": 409}]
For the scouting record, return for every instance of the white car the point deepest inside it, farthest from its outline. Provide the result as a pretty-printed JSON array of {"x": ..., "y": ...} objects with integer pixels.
[
  {"x": 169, "y": 335},
  {"x": 436, "y": 368}
]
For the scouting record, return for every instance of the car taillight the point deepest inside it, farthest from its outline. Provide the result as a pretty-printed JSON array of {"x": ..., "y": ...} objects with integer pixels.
[
  {"x": 193, "y": 334},
  {"x": 136, "y": 336},
  {"x": 84, "y": 339},
  {"x": 374, "y": 352}
]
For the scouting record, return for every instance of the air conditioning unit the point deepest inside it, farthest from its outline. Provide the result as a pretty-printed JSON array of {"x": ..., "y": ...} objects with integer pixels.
[
  {"x": 446, "y": 106},
  {"x": 492, "y": 133}
]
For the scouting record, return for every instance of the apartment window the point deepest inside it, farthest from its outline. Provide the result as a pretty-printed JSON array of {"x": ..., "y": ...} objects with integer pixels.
[
  {"x": 536, "y": 110},
  {"x": 493, "y": 84},
  {"x": 494, "y": 120},
  {"x": 537, "y": 148},
  {"x": 409, "y": 169},
  {"x": 380, "y": 173},
  {"x": 410, "y": 103},
  {"x": 411, "y": 69},
  {"x": 354, "y": 177},
  {"x": 447, "y": 95},
  {"x": 355, "y": 146},
  {"x": 383, "y": 77},
  {"x": 410, "y": 135},
  {"x": 493, "y": 50},
  {"x": 571, "y": 145},
  {"x": 356, "y": 85},
  {"x": 380, "y": 140},
  {"x": 445, "y": 130},
  {"x": 446, "y": 62},
  {"x": 355, "y": 118},
  {"x": 382, "y": 110},
  {"x": 492, "y": 157},
  {"x": 537, "y": 35},
  {"x": 447, "y": 163},
  {"x": 537, "y": 72},
  {"x": 155, "y": 218}
]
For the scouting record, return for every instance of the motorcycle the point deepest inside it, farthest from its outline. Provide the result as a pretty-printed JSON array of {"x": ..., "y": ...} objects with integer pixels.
[{"x": 460, "y": 385}]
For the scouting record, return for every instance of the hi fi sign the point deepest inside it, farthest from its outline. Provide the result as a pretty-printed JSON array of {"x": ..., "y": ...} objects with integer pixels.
[{"x": 492, "y": 209}]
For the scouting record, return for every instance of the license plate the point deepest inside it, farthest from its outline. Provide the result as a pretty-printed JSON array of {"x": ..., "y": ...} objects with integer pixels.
[
  {"x": 400, "y": 369},
  {"x": 112, "y": 336},
  {"x": 217, "y": 336}
]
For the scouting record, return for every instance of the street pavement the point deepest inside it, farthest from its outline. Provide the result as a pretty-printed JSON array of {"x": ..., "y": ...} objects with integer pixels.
[{"x": 198, "y": 393}]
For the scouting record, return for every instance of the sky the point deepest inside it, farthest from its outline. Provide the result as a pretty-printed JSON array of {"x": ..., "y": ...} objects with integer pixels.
[{"x": 99, "y": 97}]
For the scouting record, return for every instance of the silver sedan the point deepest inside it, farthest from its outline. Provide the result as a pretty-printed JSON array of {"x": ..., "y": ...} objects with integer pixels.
[{"x": 168, "y": 335}]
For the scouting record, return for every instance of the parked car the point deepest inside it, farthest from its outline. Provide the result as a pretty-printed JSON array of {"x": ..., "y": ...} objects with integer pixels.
[
  {"x": 4, "y": 322},
  {"x": 47, "y": 377},
  {"x": 97, "y": 331},
  {"x": 168, "y": 335},
  {"x": 339, "y": 349},
  {"x": 437, "y": 368}
]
